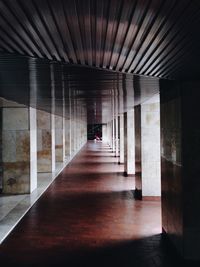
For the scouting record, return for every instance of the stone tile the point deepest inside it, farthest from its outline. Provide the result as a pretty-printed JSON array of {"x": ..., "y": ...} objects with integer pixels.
[
  {"x": 15, "y": 119},
  {"x": 58, "y": 122},
  {"x": 46, "y": 140},
  {"x": 43, "y": 120},
  {"x": 23, "y": 146},
  {"x": 9, "y": 146}
]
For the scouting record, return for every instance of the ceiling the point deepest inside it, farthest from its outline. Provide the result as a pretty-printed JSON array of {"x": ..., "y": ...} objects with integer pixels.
[
  {"x": 147, "y": 37},
  {"x": 104, "y": 47}
]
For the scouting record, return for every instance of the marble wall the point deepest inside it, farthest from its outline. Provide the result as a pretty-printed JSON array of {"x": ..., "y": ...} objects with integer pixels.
[
  {"x": 110, "y": 134},
  {"x": 19, "y": 150},
  {"x": 68, "y": 137},
  {"x": 113, "y": 135},
  {"x": 150, "y": 147},
  {"x": 45, "y": 147},
  {"x": 104, "y": 133},
  {"x": 121, "y": 138},
  {"x": 129, "y": 142},
  {"x": 116, "y": 136},
  {"x": 33, "y": 148},
  {"x": 59, "y": 138}
]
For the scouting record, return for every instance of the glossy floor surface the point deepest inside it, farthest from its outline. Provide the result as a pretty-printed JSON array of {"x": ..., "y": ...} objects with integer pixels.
[
  {"x": 14, "y": 207},
  {"x": 88, "y": 217}
]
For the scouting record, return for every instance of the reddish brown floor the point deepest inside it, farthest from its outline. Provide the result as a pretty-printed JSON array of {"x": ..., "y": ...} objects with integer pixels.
[{"x": 88, "y": 217}]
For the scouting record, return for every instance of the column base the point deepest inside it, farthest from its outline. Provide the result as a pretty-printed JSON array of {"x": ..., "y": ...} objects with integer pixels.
[
  {"x": 151, "y": 198},
  {"x": 128, "y": 174},
  {"x": 138, "y": 194}
]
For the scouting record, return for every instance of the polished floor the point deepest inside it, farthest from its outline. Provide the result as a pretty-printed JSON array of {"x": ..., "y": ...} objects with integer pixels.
[
  {"x": 14, "y": 207},
  {"x": 88, "y": 217}
]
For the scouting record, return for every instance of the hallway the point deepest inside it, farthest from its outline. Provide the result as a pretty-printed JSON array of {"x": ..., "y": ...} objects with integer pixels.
[{"x": 88, "y": 217}]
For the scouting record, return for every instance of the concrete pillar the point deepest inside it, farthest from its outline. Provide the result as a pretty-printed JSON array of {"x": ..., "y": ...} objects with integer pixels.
[
  {"x": 129, "y": 143},
  {"x": 116, "y": 136},
  {"x": 79, "y": 126},
  {"x": 45, "y": 142},
  {"x": 73, "y": 122},
  {"x": 121, "y": 140},
  {"x": 19, "y": 148},
  {"x": 109, "y": 130},
  {"x": 68, "y": 137},
  {"x": 138, "y": 157},
  {"x": 113, "y": 135},
  {"x": 150, "y": 147},
  {"x": 82, "y": 131},
  {"x": 59, "y": 138},
  {"x": 72, "y": 130},
  {"x": 84, "y": 124},
  {"x": 53, "y": 142},
  {"x": 68, "y": 124},
  {"x": 104, "y": 133}
]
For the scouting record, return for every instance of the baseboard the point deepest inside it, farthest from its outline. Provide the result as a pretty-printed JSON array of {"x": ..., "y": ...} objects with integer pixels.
[{"x": 151, "y": 198}]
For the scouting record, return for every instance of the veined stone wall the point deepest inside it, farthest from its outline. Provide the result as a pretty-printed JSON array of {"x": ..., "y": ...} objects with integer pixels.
[{"x": 18, "y": 148}]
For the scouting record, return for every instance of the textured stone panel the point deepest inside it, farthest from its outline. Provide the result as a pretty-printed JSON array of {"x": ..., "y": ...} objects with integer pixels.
[
  {"x": 23, "y": 146},
  {"x": 9, "y": 146},
  {"x": 150, "y": 147},
  {"x": 45, "y": 145},
  {"x": 16, "y": 178},
  {"x": 15, "y": 119},
  {"x": 43, "y": 120}
]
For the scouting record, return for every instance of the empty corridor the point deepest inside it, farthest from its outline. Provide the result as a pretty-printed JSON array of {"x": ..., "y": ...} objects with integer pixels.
[{"x": 88, "y": 217}]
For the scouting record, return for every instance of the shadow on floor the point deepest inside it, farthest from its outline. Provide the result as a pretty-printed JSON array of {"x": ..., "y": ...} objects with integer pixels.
[{"x": 152, "y": 251}]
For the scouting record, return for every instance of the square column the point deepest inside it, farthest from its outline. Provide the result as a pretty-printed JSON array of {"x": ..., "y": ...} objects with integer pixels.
[
  {"x": 121, "y": 139},
  {"x": 150, "y": 147},
  {"x": 73, "y": 129},
  {"x": 59, "y": 138},
  {"x": 116, "y": 136},
  {"x": 68, "y": 124},
  {"x": 45, "y": 142},
  {"x": 113, "y": 135},
  {"x": 68, "y": 137},
  {"x": 109, "y": 130},
  {"x": 129, "y": 143},
  {"x": 72, "y": 134},
  {"x": 138, "y": 152},
  {"x": 104, "y": 133},
  {"x": 19, "y": 148}
]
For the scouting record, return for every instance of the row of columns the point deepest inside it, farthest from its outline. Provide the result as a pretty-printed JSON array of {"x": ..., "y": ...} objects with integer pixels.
[
  {"x": 34, "y": 141},
  {"x": 134, "y": 137}
]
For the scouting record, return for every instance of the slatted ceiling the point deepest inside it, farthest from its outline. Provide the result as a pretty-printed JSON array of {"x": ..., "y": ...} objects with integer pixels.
[
  {"x": 178, "y": 40},
  {"x": 145, "y": 47},
  {"x": 167, "y": 38},
  {"x": 117, "y": 38},
  {"x": 148, "y": 37},
  {"x": 16, "y": 27}
]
